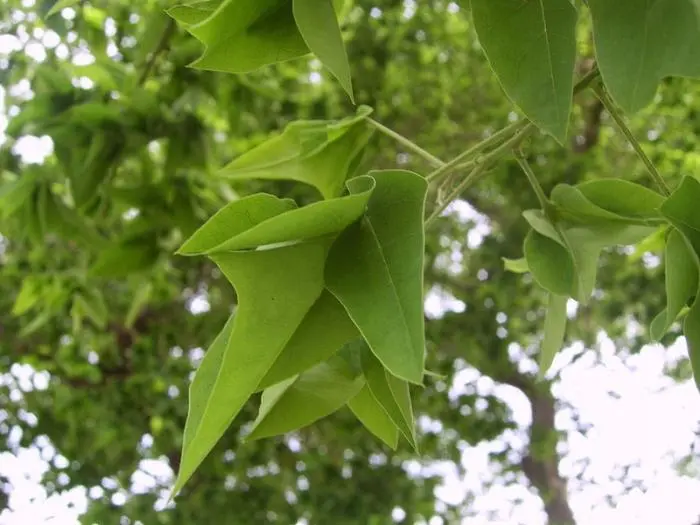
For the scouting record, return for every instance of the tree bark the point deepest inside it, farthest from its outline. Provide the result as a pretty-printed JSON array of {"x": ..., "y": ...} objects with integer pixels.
[{"x": 541, "y": 464}]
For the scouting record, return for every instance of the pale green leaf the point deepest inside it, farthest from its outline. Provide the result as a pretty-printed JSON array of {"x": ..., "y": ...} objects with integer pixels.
[
  {"x": 531, "y": 45},
  {"x": 275, "y": 289},
  {"x": 318, "y": 153},
  {"x": 193, "y": 13},
  {"x": 324, "y": 330},
  {"x": 681, "y": 281},
  {"x": 318, "y": 25},
  {"x": 29, "y": 294},
  {"x": 308, "y": 397},
  {"x": 375, "y": 269},
  {"x": 640, "y": 42},
  {"x": 373, "y": 416},
  {"x": 319, "y": 219},
  {"x": 515, "y": 265},
  {"x": 244, "y": 35},
  {"x": 554, "y": 330},
  {"x": 391, "y": 396},
  {"x": 236, "y": 217}
]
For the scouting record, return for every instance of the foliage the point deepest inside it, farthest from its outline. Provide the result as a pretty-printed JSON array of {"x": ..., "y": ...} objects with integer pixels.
[{"x": 328, "y": 293}]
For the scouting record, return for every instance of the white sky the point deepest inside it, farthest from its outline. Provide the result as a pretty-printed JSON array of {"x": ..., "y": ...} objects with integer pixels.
[{"x": 649, "y": 422}]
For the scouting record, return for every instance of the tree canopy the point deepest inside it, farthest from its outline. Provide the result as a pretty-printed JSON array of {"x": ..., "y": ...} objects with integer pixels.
[{"x": 225, "y": 258}]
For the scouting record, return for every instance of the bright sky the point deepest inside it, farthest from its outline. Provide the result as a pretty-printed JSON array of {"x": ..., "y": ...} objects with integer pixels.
[{"x": 648, "y": 424}]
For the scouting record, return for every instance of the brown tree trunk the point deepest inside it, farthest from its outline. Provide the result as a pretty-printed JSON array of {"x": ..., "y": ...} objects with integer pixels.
[{"x": 541, "y": 464}]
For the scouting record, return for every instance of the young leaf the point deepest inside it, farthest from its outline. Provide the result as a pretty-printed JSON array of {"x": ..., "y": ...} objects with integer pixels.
[
  {"x": 193, "y": 13},
  {"x": 318, "y": 153},
  {"x": 29, "y": 294},
  {"x": 373, "y": 416},
  {"x": 531, "y": 46},
  {"x": 324, "y": 330},
  {"x": 554, "y": 331},
  {"x": 391, "y": 396},
  {"x": 623, "y": 198},
  {"x": 681, "y": 282},
  {"x": 318, "y": 25},
  {"x": 375, "y": 269},
  {"x": 244, "y": 35},
  {"x": 515, "y": 265},
  {"x": 550, "y": 263},
  {"x": 298, "y": 402},
  {"x": 275, "y": 288},
  {"x": 640, "y": 43}
]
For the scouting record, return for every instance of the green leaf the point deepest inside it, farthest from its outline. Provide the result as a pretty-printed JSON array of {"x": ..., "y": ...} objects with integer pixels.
[
  {"x": 623, "y": 198},
  {"x": 318, "y": 153},
  {"x": 391, "y": 394},
  {"x": 554, "y": 330},
  {"x": 319, "y": 219},
  {"x": 244, "y": 35},
  {"x": 573, "y": 206},
  {"x": 60, "y": 5},
  {"x": 303, "y": 399},
  {"x": 691, "y": 330},
  {"x": 318, "y": 25},
  {"x": 515, "y": 265},
  {"x": 373, "y": 416},
  {"x": 681, "y": 282},
  {"x": 375, "y": 269},
  {"x": 682, "y": 206},
  {"x": 640, "y": 43},
  {"x": 29, "y": 294},
  {"x": 193, "y": 13},
  {"x": 550, "y": 263},
  {"x": 324, "y": 330},
  {"x": 531, "y": 45},
  {"x": 275, "y": 289},
  {"x": 233, "y": 219},
  {"x": 126, "y": 258},
  {"x": 92, "y": 305},
  {"x": 138, "y": 303},
  {"x": 13, "y": 195}
]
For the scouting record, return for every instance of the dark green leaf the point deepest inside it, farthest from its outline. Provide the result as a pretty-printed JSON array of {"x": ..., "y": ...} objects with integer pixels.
[
  {"x": 375, "y": 269},
  {"x": 640, "y": 43},
  {"x": 531, "y": 46},
  {"x": 691, "y": 330},
  {"x": 574, "y": 206},
  {"x": 623, "y": 198},
  {"x": 682, "y": 206},
  {"x": 550, "y": 263}
]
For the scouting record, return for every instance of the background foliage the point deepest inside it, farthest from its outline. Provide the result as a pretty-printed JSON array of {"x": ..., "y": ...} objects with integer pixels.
[{"x": 112, "y": 323}]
